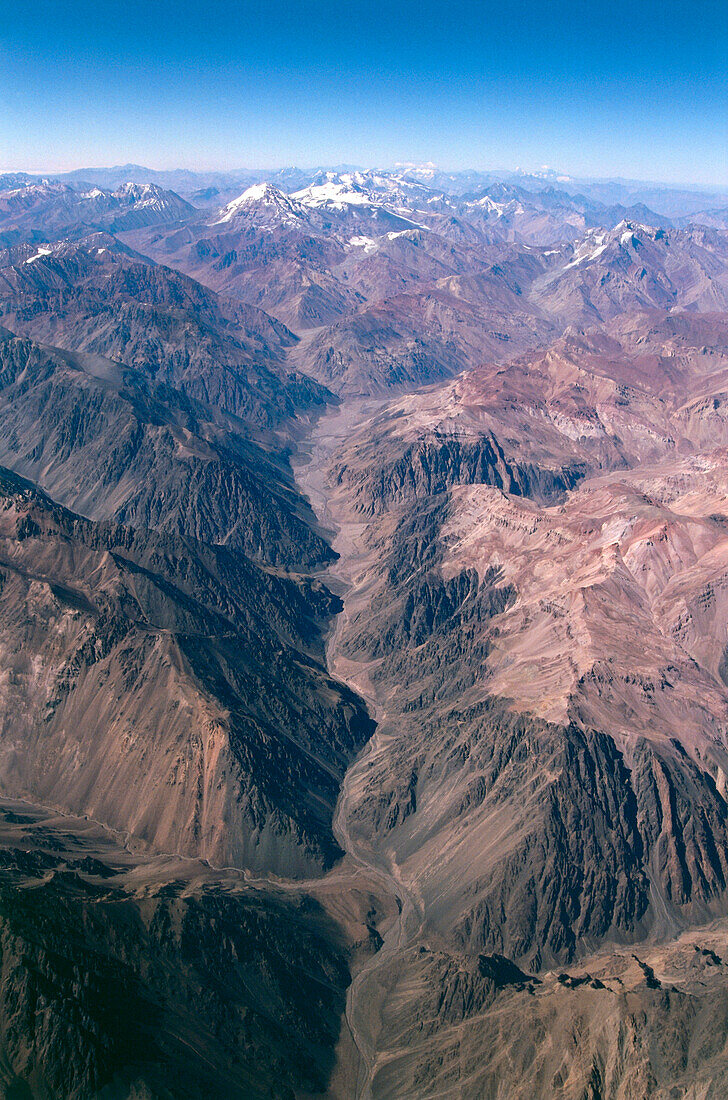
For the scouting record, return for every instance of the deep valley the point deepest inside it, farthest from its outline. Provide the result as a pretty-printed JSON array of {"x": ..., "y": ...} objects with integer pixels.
[{"x": 363, "y": 641}]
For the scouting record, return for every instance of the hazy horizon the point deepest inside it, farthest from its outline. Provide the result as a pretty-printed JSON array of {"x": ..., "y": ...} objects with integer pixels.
[
  {"x": 545, "y": 172},
  {"x": 603, "y": 91}
]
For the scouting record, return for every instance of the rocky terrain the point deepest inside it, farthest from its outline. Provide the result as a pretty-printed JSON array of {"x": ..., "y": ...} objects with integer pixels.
[
  {"x": 36, "y": 208},
  {"x": 130, "y": 976},
  {"x": 363, "y": 638},
  {"x": 167, "y": 687}
]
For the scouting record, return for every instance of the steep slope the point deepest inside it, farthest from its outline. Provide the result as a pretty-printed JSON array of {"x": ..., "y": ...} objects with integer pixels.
[
  {"x": 515, "y": 885},
  {"x": 125, "y": 976},
  {"x": 562, "y": 768},
  {"x": 409, "y": 340},
  {"x": 547, "y": 783},
  {"x": 173, "y": 691},
  {"x": 537, "y": 424},
  {"x": 42, "y": 210},
  {"x": 103, "y": 440},
  {"x": 161, "y": 323},
  {"x": 622, "y": 1025},
  {"x": 637, "y": 267}
]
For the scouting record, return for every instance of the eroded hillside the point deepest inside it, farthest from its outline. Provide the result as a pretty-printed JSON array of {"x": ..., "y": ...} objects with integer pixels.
[{"x": 363, "y": 642}]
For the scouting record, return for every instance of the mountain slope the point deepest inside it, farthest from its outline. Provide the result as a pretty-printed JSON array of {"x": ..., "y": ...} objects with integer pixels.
[
  {"x": 43, "y": 210},
  {"x": 101, "y": 439},
  {"x": 547, "y": 783},
  {"x": 395, "y": 723},
  {"x": 160, "y": 323},
  {"x": 131, "y": 977},
  {"x": 173, "y": 691}
]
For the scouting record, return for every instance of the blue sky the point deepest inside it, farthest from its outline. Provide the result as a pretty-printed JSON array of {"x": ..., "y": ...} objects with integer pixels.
[{"x": 637, "y": 89}]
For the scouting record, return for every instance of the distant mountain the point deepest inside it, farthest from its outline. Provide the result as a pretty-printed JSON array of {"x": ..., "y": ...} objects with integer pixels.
[
  {"x": 717, "y": 219},
  {"x": 178, "y": 179},
  {"x": 672, "y": 201},
  {"x": 40, "y": 210},
  {"x": 402, "y": 282},
  {"x": 263, "y": 203},
  {"x": 208, "y": 188},
  {"x": 636, "y": 266},
  {"x": 185, "y": 181}
]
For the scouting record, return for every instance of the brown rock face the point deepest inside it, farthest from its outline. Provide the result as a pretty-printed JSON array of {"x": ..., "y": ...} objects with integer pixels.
[
  {"x": 106, "y": 442},
  {"x": 171, "y": 690}
]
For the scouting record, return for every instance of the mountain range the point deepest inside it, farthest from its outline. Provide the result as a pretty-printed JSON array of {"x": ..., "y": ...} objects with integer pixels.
[{"x": 363, "y": 636}]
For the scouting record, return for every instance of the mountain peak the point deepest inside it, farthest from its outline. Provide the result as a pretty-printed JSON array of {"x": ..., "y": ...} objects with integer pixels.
[{"x": 262, "y": 194}]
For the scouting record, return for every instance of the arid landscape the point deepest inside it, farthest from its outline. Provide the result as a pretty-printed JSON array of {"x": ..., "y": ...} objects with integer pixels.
[{"x": 363, "y": 636}]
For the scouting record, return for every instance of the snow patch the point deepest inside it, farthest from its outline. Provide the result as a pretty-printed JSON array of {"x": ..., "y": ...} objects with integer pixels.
[
  {"x": 367, "y": 243},
  {"x": 41, "y": 252},
  {"x": 586, "y": 257},
  {"x": 338, "y": 195}
]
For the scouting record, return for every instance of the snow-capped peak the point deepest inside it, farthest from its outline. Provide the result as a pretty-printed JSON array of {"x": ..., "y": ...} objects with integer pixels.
[
  {"x": 336, "y": 192},
  {"x": 498, "y": 209},
  {"x": 625, "y": 235},
  {"x": 259, "y": 195}
]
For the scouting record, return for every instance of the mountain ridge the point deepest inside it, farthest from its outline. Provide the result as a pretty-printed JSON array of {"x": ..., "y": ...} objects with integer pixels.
[{"x": 363, "y": 611}]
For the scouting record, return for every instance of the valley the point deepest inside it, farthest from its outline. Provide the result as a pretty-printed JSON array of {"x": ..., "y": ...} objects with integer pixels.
[
  {"x": 363, "y": 642},
  {"x": 377, "y": 814}
]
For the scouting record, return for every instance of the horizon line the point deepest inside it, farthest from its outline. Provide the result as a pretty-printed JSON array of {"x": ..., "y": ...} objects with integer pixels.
[{"x": 545, "y": 172}]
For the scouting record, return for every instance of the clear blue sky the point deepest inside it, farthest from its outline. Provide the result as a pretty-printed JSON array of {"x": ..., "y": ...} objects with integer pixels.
[{"x": 636, "y": 88}]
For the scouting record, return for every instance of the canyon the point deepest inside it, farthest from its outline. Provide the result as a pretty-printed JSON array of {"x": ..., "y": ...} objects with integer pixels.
[{"x": 363, "y": 642}]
